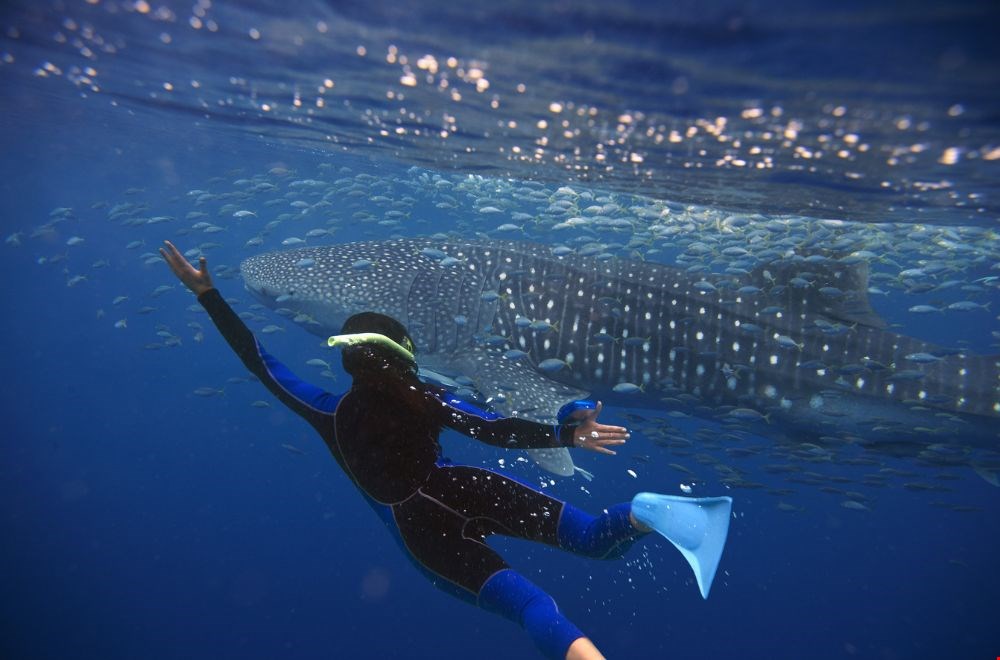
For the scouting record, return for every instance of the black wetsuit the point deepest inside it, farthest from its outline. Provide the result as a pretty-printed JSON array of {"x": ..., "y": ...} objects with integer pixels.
[{"x": 441, "y": 512}]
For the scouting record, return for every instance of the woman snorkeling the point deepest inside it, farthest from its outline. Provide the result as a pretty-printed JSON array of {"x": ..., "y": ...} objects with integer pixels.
[{"x": 384, "y": 434}]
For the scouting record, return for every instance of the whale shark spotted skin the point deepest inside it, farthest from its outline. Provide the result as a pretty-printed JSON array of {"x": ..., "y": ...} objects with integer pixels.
[{"x": 792, "y": 345}]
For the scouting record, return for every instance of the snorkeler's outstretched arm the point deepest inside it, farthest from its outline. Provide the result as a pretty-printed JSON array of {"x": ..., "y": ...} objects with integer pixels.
[
  {"x": 581, "y": 429},
  {"x": 311, "y": 402}
]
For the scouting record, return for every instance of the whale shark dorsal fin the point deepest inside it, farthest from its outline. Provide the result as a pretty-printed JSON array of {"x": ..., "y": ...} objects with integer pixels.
[
  {"x": 837, "y": 291},
  {"x": 854, "y": 306}
]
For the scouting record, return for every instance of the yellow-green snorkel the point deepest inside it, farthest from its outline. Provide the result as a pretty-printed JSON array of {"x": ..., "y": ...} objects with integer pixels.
[{"x": 375, "y": 339}]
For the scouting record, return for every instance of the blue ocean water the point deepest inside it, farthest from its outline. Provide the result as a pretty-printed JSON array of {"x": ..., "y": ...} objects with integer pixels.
[{"x": 142, "y": 519}]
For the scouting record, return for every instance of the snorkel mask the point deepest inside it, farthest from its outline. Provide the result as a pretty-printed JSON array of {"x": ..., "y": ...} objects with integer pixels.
[{"x": 375, "y": 339}]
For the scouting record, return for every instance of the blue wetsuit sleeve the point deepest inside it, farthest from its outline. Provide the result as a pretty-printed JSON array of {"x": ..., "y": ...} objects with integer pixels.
[
  {"x": 508, "y": 432},
  {"x": 573, "y": 406},
  {"x": 313, "y": 403}
]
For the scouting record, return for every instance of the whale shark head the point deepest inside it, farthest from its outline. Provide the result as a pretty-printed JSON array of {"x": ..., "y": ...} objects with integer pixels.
[{"x": 330, "y": 283}]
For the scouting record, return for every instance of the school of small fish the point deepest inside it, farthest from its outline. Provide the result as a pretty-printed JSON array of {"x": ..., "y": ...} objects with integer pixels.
[{"x": 946, "y": 272}]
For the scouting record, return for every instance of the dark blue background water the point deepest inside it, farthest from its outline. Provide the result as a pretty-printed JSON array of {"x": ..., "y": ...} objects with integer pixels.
[{"x": 140, "y": 520}]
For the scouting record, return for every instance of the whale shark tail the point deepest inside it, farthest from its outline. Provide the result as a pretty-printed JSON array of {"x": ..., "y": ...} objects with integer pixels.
[{"x": 696, "y": 526}]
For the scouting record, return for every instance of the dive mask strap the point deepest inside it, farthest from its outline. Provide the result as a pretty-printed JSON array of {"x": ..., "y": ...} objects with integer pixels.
[{"x": 375, "y": 339}]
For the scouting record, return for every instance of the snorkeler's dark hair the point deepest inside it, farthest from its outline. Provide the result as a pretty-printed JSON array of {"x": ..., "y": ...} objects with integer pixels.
[{"x": 371, "y": 360}]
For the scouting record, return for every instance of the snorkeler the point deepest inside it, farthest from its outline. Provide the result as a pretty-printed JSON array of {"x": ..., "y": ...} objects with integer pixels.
[{"x": 384, "y": 434}]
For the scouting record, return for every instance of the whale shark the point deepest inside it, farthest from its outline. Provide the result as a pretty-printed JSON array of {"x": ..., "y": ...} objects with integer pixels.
[{"x": 791, "y": 347}]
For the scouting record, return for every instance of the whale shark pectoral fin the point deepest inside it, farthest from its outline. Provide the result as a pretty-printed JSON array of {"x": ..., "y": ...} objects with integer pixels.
[
  {"x": 428, "y": 375},
  {"x": 556, "y": 460},
  {"x": 514, "y": 389},
  {"x": 989, "y": 475}
]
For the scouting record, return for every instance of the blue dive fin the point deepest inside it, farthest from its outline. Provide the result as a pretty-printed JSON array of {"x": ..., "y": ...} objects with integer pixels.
[{"x": 697, "y": 526}]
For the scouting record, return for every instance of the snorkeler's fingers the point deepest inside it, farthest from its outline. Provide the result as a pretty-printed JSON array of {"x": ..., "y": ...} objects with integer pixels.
[
  {"x": 597, "y": 409},
  {"x": 602, "y": 445},
  {"x": 596, "y": 443},
  {"x": 170, "y": 256},
  {"x": 174, "y": 255},
  {"x": 615, "y": 432}
]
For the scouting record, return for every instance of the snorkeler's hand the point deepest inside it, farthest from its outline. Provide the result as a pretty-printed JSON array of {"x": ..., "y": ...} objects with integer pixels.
[
  {"x": 596, "y": 437},
  {"x": 199, "y": 280}
]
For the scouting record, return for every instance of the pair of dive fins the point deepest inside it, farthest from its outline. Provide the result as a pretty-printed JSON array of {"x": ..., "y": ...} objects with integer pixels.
[{"x": 697, "y": 526}]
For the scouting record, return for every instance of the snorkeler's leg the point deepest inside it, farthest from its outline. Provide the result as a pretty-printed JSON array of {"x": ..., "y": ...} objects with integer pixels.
[
  {"x": 606, "y": 536},
  {"x": 435, "y": 536},
  {"x": 496, "y": 504},
  {"x": 513, "y": 596},
  {"x": 583, "y": 649}
]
